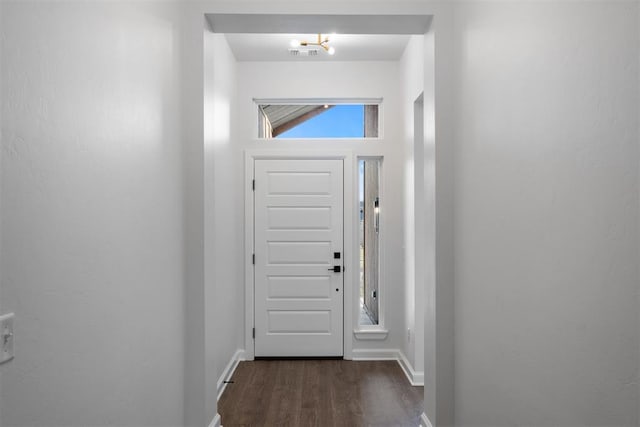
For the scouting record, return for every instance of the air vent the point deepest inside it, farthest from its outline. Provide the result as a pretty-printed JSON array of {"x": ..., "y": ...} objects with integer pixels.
[{"x": 303, "y": 52}]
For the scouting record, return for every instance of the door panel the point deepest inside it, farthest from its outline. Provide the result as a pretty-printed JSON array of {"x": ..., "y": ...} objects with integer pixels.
[
  {"x": 298, "y": 252},
  {"x": 304, "y": 321},
  {"x": 299, "y": 183},
  {"x": 298, "y": 227},
  {"x": 303, "y": 218},
  {"x": 283, "y": 287}
]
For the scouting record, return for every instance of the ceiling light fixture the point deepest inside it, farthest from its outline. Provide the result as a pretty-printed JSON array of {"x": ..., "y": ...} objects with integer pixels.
[{"x": 323, "y": 43}]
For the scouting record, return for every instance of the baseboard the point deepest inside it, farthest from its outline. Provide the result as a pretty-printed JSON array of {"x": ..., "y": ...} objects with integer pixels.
[
  {"x": 374, "y": 354},
  {"x": 228, "y": 371},
  {"x": 216, "y": 421},
  {"x": 424, "y": 421},
  {"x": 416, "y": 378}
]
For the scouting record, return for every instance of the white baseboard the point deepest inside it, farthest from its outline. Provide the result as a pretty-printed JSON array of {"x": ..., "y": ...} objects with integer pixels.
[
  {"x": 374, "y": 354},
  {"x": 424, "y": 421},
  {"x": 216, "y": 421},
  {"x": 229, "y": 370},
  {"x": 416, "y": 378}
]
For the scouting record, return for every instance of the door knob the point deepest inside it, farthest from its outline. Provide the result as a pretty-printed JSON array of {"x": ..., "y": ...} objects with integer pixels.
[{"x": 335, "y": 269}]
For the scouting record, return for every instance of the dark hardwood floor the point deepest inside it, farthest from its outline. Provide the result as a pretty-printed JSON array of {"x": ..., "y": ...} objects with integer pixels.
[{"x": 320, "y": 393}]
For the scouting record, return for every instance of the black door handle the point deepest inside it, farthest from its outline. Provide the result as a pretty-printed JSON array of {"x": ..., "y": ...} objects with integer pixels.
[{"x": 335, "y": 269}]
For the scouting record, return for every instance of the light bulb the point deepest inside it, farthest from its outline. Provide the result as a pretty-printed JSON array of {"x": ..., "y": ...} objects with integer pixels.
[
  {"x": 295, "y": 43},
  {"x": 331, "y": 50}
]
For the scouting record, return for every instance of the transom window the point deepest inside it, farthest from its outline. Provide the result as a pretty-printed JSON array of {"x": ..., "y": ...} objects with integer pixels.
[{"x": 318, "y": 120}]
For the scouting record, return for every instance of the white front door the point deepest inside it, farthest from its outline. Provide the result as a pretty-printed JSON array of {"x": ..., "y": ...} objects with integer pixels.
[{"x": 298, "y": 242}]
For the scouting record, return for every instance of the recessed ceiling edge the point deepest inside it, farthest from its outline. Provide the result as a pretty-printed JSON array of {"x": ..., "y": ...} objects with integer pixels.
[{"x": 294, "y": 23}]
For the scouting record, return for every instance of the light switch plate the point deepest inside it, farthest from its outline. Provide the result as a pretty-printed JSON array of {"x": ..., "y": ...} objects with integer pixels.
[{"x": 6, "y": 337}]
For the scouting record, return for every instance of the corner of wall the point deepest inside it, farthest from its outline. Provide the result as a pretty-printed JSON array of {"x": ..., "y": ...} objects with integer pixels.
[
  {"x": 225, "y": 268},
  {"x": 439, "y": 57},
  {"x": 410, "y": 68},
  {"x": 228, "y": 371},
  {"x": 192, "y": 48},
  {"x": 1, "y": 132},
  {"x": 638, "y": 224},
  {"x": 415, "y": 377}
]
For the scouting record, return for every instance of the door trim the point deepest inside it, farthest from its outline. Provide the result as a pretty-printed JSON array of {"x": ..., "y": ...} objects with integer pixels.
[{"x": 349, "y": 229}]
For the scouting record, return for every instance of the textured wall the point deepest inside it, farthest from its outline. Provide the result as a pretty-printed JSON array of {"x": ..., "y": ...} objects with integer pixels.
[
  {"x": 546, "y": 213},
  {"x": 92, "y": 214}
]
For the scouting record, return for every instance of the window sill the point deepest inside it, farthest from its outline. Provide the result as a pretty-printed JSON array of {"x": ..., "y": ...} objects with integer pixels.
[{"x": 371, "y": 334}]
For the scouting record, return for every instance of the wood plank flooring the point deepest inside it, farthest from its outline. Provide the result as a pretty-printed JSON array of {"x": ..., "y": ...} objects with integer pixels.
[{"x": 320, "y": 393}]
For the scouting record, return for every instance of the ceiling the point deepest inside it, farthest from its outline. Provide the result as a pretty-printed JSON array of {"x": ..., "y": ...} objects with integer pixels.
[
  {"x": 349, "y": 47},
  {"x": 267, "y": 37}
]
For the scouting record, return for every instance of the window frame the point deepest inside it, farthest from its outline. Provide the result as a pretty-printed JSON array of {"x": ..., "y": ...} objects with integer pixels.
[
  {"x": 377, "y": 332},
  {"x": 259, "y": 102}
]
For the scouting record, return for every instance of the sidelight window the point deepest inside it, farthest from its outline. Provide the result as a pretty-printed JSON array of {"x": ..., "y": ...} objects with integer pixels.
[{"x": 369, "y": 237}]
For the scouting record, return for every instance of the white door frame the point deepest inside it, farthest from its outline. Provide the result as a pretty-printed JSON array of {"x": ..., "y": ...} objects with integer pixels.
[{"x": 350, "y": 261}]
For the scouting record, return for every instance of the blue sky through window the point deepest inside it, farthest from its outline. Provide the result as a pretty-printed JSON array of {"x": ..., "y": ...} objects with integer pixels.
[{"x": 341, "y": 121}]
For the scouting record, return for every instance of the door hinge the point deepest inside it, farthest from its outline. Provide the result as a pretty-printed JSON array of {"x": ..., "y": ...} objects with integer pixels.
[
  {"x": 253, "y": 185},
  {"x": 253, "y": 259},
  {"x": 254, "y": 333}
]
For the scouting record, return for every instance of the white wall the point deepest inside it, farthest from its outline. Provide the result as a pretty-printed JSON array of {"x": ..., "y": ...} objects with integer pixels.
[
  {"x": 1, "y": 109},
  {"x": 193, "y": 92},
  {"x": 437, "y": 169},
  {"x": 546, "y": 213},
  {"x": 339, "y": 80},
  {"x": 92, "y": 225},
  {"x": 412, "y": 71},
  {"x": 537, "y": 102},
  {"x": 638, "y": 223},
  {"x": 1, "y": 132},
  {"x": 224, "y": 268}
]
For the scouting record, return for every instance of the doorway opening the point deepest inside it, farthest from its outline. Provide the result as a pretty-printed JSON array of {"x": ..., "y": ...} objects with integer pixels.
[{"x": 246, "y": 138}]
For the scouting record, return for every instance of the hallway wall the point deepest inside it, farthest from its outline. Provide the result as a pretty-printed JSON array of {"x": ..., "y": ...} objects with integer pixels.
[
  {"x": 539, "y": 106},
  {"x": 224, "y": 247},
  {"x": 412, "y": 77},
  {"x": 1, "y": 215},
  {"x": 546, "y": 213},
  {"x": 92, "y": 219}
]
